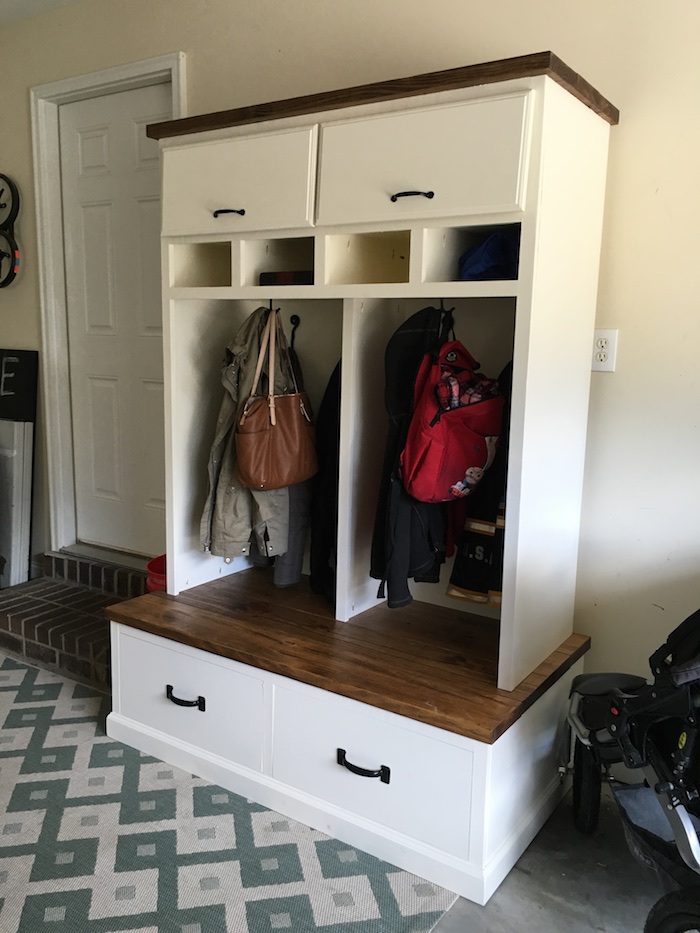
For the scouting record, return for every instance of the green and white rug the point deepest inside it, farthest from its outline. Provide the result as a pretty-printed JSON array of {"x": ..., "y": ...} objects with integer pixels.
[{"x": 96, "y": 837}]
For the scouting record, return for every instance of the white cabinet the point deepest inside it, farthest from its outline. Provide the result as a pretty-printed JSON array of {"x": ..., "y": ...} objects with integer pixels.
[
  {"x": 450, "y": 161},
  {"x": 258, "y": 182},
  {"x": 522, "y": 144}
]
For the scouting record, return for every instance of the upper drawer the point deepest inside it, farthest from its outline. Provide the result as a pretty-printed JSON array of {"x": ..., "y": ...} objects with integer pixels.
[
  {"x": 472, "y": 156},
  {"x": 270, "y": 177},
  {"x": 424, "y": 785}
]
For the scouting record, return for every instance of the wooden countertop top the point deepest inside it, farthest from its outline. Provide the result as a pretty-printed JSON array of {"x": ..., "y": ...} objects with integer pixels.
[
  {"x": 428, "y": 663},
  {"x": 539, "y": 63}
]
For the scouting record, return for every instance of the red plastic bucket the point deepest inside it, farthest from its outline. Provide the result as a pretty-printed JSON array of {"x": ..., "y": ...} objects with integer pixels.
[{"x": 156, "y": 574}]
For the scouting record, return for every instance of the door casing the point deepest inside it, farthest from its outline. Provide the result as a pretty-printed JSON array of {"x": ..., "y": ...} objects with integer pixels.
[{"x": 55, "y": 382}]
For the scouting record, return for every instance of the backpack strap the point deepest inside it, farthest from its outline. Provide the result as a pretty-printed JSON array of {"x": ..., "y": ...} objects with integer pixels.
[{"x": 447, "y": 326}]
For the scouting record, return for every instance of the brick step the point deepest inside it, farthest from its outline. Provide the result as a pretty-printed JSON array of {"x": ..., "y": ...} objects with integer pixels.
[
  {"x": 102, "y": 575},
  {"x": 59, "y": 625}
]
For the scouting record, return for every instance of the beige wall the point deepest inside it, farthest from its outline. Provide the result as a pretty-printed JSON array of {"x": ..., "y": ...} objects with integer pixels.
[{"x": 640, "y": 547}]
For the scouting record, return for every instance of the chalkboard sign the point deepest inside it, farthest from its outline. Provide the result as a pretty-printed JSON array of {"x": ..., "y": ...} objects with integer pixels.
[{"x": 18, "y": 381}]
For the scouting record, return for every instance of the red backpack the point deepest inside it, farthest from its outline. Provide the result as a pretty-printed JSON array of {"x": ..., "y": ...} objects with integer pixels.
[{"x": 455, "y": 426}]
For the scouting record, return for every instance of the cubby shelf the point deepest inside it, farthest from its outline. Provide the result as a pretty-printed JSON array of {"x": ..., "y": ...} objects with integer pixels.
[{"x": 334, "y": 263}]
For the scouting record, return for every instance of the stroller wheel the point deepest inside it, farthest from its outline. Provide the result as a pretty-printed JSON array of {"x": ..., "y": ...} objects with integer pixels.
[
  {"x": 677, "y": 912},
  {"x": 586, "y": 791}
]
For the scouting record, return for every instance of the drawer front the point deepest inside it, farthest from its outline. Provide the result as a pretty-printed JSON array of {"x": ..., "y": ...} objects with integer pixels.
[
  {"x": 231, "y": 723},
  {"x": 471, "y": 156},
  {"x": 269, "y": 177},
  {"x": 426, "y": 793}
]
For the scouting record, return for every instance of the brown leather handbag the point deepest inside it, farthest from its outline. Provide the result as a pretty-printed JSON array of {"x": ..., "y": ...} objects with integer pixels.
[{"x": 275, "y": 436}]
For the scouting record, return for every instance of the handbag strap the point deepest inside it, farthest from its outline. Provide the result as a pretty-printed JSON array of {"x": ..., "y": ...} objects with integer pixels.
[
  {"x": 284, "y": 349},
  {"x": 261, "y": 356},
  {"x": 265, "y": 339},
  {"x": 272, "y": 332},
  {"x": 271, "y": 370}
]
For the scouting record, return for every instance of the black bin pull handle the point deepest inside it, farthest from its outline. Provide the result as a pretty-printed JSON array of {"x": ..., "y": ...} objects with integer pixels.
[
  {"x": 412, "y": 194},
  {"x": 199, "y": 702},
  {"x": 383, "y": 773},
  {"x": 229, "y": 210}
]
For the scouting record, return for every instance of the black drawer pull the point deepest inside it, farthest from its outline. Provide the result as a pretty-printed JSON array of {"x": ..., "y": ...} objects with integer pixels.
[
  {"x": 383, "y": 774},
  {"x": 199, "y": 702},
  {"x": 228, "y": 210},
  {"x": 412, "y": 194}
]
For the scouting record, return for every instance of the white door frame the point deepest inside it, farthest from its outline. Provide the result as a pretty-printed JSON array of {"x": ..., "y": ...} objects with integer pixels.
[{"x": 55, "y": 381}]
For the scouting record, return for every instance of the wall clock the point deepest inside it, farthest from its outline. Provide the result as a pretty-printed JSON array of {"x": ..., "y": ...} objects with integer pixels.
[{"x": 9, "y": 251}]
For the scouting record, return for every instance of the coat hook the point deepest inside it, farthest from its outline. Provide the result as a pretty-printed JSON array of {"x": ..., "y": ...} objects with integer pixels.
[{"x": 295, "y": 321}]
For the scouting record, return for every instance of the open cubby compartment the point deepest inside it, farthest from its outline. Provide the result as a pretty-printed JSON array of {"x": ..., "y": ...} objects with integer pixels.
[
  {"x": 367, "y": 258},
  {"x": 199, "y": 333},
  {"x": 444, "y": 246},
  {"x": 200, "y": 265},
  {"x": 486, "y": 327},
  {"x": 279, "y": 261}
]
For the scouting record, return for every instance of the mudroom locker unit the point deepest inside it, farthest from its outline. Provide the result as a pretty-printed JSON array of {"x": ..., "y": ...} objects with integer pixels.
[{"x": 424, "y": 735}]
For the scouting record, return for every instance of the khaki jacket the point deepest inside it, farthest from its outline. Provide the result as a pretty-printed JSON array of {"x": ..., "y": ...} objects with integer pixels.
[{"x": 232, "y": 512}]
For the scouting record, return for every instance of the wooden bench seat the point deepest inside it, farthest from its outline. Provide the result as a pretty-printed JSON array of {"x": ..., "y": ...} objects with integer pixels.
[{"x": 428, "y": 663}]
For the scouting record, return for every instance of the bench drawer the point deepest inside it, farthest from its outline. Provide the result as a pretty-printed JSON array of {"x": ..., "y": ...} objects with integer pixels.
[
  {"x": 224, "y": 711},
  {"x": 423, "y": 785}
]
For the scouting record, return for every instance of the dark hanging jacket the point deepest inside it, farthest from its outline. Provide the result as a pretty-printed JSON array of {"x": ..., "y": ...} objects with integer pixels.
[
  {"x": 409, "y": 536},
  {"x": 324, "y": 508}
]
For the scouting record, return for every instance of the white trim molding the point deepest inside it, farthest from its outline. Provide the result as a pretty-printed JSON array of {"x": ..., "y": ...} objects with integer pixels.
[{"x": 55, "y": 386}]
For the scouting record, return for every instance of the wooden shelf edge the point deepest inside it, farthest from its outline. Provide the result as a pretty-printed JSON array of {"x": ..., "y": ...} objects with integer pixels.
[
  {"x": 538, "y": 63},
  {"x": 547, "y": 674}
]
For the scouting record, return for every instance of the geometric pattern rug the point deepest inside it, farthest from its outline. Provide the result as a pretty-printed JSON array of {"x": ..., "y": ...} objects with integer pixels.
[{"x": 96, "y": 837}]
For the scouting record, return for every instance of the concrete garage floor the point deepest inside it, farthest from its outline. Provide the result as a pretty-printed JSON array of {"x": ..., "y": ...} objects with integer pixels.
[{"x": 566, "y": 883}]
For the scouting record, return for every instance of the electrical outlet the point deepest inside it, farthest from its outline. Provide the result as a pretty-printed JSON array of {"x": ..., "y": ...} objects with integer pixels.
[{"x": 604, "y": 351}]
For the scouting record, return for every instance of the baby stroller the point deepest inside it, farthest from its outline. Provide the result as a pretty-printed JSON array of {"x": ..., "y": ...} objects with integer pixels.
[{"x": 652, "y": 727}]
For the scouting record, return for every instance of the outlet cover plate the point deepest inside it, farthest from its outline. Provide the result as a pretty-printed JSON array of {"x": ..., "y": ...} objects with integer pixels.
[{"x": 604, "y": 350}]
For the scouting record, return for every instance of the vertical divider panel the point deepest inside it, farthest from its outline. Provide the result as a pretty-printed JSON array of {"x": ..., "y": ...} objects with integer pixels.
[
  {"x": 368, "y": 323},
  {"x": 236, "y": 263},
  {"x": 417, "y": 260},
  {"x": 551, "y": 382},
  {"x": 166, "y": 271},
  {"x": 320, "y": 260},
  {"x": 198, "y": 333}
]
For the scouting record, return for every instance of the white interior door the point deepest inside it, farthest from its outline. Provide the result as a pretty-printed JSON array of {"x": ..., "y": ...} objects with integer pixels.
[{"x": 110, "y": 178}]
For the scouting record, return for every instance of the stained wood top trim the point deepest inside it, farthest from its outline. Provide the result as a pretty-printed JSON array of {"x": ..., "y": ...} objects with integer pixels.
[
  {"x": 539, "y": 63},
  {"x": 434, "y": 665}
]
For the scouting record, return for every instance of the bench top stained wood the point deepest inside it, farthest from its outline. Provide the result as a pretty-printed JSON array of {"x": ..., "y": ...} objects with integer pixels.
[
  {"x": 522, "y": 66},
  {"x": 428, "y": 663}
]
